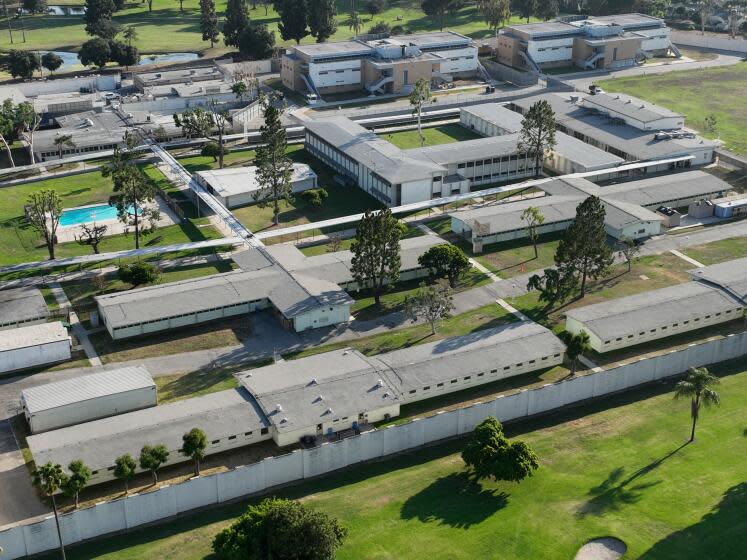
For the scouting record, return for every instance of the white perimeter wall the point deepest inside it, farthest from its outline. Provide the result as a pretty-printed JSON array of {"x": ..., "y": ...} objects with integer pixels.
[
  {"x": 709, "y": 41},
  {"x": 133, "y": 511}
]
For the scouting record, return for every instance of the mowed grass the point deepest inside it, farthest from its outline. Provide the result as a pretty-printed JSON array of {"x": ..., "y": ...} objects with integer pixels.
[
  {"x": 432, "y": 136},
  {"x": 618, "y": 467},
  {"x": 698, "y": 94},
  {"x": 719, "y": 251},
  {"x": 167, "y": 29}
]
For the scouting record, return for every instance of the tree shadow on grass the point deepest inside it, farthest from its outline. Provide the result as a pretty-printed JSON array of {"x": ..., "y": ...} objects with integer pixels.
[
  {"x": 718, "y": 535},
  {"x": 457, "y": 500}
]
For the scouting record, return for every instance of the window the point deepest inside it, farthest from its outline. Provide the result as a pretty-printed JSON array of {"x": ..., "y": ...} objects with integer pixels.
[
  {"x": 606, "y": 341},
  {"x": 520, "y": 364},
  {"x": 453, "y": 380},
  {"x": 263, "y": 431},
  {"x": 675, "y": 325},
  {"x": 427, "y": 388},
  {"x": 707, "y": 316},
  {"x": 412, "y": 391},
  {"x": 247, "y": 434},
  {"x": 109, "y": 468},
  {"x": 215, "y": 442},
  {"x": 481, "y": 374},
  {"x": 630, "y": 336},
  {"x": 653, "y": 330},
  {"x": 231, "y": 437},
  {"x": 697, "y": 319},
  {"x": 440, "y": 385},
  {"x": 618, "y": 339},
  {"x": 507, "y": 367}
]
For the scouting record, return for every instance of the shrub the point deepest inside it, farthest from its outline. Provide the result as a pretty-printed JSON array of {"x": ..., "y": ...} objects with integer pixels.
[
  {"x": 138, "y": 273},
  {"x": 315, "y": 197}
]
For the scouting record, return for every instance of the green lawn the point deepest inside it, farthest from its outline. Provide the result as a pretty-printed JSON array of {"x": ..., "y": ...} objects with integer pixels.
[
  {"x": 166, "y": 29},
  {"x": 698, "y": 94},
  {"x": 719, "y": 251},
  {"x": 618, "y": 467},
  {"x": 511, "y": 258},
  {"x": 322, "y": 248},
  {"x": 443, "y": 134}
]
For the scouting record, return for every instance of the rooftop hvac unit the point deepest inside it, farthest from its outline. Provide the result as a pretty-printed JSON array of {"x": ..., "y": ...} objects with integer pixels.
[{"x": 278, "y": 408}]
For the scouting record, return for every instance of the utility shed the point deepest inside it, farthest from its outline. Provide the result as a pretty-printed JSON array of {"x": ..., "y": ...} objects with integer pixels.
[
  {"x": 22, "y": 306},
  {"x": 648, "y": 316},
  {"x": 34, "y": 345},
  {"x": 89, "y": 397}
]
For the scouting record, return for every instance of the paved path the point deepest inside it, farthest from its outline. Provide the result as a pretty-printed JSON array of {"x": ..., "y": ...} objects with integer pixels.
[
  {"x": 78, "y": 330},
  {"x": 686, "y": 258}
]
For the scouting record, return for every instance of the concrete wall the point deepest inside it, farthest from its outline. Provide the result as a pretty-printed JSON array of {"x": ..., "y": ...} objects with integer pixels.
[
  {"x": 107, "y": 82},
  {"x": 136, "y": 510},
  {"x": 709, "y": 41},
  {"x": 500, "y": 71}
]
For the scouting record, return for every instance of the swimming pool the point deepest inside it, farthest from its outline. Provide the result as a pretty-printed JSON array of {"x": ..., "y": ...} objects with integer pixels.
[{"x": 88, "y": 214}]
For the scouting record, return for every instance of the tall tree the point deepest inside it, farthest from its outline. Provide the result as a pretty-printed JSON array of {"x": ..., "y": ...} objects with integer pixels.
[
  {"x": 628, "y": 249},
  {"x": 437, "y": 9},
  {"x": 293, "y": 19},
  {"x": 123, "y": 54},
  {"x": 495, "y": 13},
  {"x": 95, "y": 52},
  {"x": 92, "y": 235},
  {"x": 277, "y": 528},
  {"x": 376, "y": 260},
  {"x": 22, "y": 64},
  {"x": 194, "y": 444},
  {"x": 124, "y": 470},
  {"x": 237, "y": 18},
  {"x": 583, "y": 248},
  {"x": 429, "y": 303},
  {"x": 534, "y": 218},
  {"x": 181, "y": 5},
  {"x": 490, "y": 454},
  {"x": 274, "y": 169},
  {"x": 51, "y": 61},
  {"x": 209, "y": 22},
  {"x": 322, "y": 19},
  {"x": 8, "y": 127},
  {"x": 49, "y": 478},
  {"x": 256, "y": 42},
  {"x": 152, "y": 457},
  {"x": 705, "y": 11},
  {"x": 27, "y": 122},
  {"x": 195, "y": 123},
  {"x": 62, "y": 141},
  {"x": 546, "y": 9},
  {"x": 525, "y": 8},
  {"x": 575, "y": 346},
  {"x": 80, "y": 474},
  {"x": 98, "y": 18},
  {"x": 221, "y": 121},
  {"x": 375, "y": 7},
  {"x": 555, "y": 285},
  {"x": 420, "y": 95},
  {"x": 44, "y": 211},
  {"x": 537, "y": 135},
  {"x": 445, "y": 261},
  {"x": 698, "y": 387}
]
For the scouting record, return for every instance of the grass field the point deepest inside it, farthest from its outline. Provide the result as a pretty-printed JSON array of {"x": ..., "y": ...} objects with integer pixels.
[
  {"x": 719, "y": 251},
  {"x": 698, "y": 94},
  {"x": 166, "y": 29},
  {"x": 618, "y": 467},
  {"x": 444, "y": 134}
]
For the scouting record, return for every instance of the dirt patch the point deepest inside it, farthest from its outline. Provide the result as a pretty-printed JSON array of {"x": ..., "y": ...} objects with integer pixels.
[{"x": 605, "y": 548}]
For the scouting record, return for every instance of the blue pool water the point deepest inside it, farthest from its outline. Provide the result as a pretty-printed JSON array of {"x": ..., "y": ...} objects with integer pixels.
[{"x": 89, "y": 214}]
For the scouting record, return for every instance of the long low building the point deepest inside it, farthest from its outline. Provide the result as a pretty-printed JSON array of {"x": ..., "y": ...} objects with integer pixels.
[
  {"x": 315, "y": 396},
  {"x": 629, "y": 207},
  {"x": 624, "y": 322},
  {"x": 730, "y": 276},
  {"x": 89, "y": 397},
  {"x": 22, "y": 306},
  {"x": 34, "y": 345}
]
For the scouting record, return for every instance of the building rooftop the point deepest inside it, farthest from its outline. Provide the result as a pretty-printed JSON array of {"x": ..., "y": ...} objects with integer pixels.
[
  {"x": 630, "y": 107},
  {"x": 432, "y": 39},
  {"x": 651, "y": 310},
  {"x": 457, "y": 152},
  {"x": 730, "y": 276},
  {"x": 32, "y": 335},
  {"x": 585, "y": 154},
  {"x": 334, "y": 48},
  {"x": 627, "y": 21},
  {"x": 18, "y": 305},
  {"x": 182, "y": 74},
  {"x": 89, "y": 128},
  {"x": 544, "y": 28},
  {"x": 231, "y": 181},
  {"x": 100, "y": 442},
  {"x": 497, "y": 114},
  {"x": 86, "y": 387}
]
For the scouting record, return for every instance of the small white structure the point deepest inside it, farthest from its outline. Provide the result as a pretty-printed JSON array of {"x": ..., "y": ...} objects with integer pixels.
[
  {"x": 89, "y": 397},
  {"x": 236, "y": 186},
  {"x": 22, "y": 306},
  {"x": 34, "y": 345}
]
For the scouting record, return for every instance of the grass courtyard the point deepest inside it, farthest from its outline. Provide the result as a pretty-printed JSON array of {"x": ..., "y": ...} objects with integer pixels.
[
  {"x": 616, "y": 467},
  {"x": 698, "y": 94},
  {"x": 433, "y": 136}
]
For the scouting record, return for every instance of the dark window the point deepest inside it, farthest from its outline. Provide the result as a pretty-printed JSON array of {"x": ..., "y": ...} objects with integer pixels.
[
  {"x": 263, "y": 431},
  {"x": 215, "y": 442},
  {"x": 231, "y": 437},
  {"x": 247, "y": 433},
  {"x": 412, "y": 391},
  {"x": 427, "y": 388},
  {"x": 481, "y": 374},
  {"x": 453, "y": 380},
  {"x": 440, "y": 385}
]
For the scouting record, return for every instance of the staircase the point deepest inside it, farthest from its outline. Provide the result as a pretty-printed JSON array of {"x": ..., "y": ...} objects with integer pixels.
[
  {"x": 591, "y": 61},
  {"x": 530, "y": 61},
  {"x": 308, "y": 82},
  {"x": 483, "y": 72},
  {"x": 675, "y": 50},
  {"x": 379, "y": 84}
]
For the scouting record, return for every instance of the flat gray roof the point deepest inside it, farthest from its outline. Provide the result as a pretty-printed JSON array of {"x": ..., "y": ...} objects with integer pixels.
[
  {"x": 19, "y": 305},
  {"x": 231, "y": 181},
  {"x": 86, "y": 387},
  {"x": 545, "y": 28},
  {"x": 89, "y": 128},
  {"x": 496, "y": 114},
  {"x": 468, "y": 150},
  {"x": 98, "y": 443},
  {"x": 432, "y": 39},
  {"x": 730, "y": 276},
  {"x": 652, "y": 310},
  {"x": 32, "y": 335},
  {"x": 627, "y": 21},
  {"x": 630, "y": 107},
  {"x": 185, "y": 74},
  {"x": 661, "y": 189},
  {"x": 340, "y": 48}
]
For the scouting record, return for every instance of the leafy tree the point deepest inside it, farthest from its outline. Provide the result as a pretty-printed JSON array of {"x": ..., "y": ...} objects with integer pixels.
[
  {"x": 210, "y": 149},
  {"x": 293, "y": 19},
  {"x": 44, "y": 211},
  {"x": 430, "y": 303},
  {"x": 322, "y": 19},
  {"x": 554, "y": 285},
  {"x": 221, "y": 120},
  {"x": 280, "y": 529},
  {"x": 445, "y": 261},
  {"x": 27, "y": 121},
  {"x": 35, "y": 6},
  {"x": 376, "y": 261},
  {"x": 256, "y": 41},
  {"x": 274, "y": 169},
  {"x": 534, "y": 219},
  {"x": 380, "y": 28},
  {"x": 495, "y": 13},
  {"x": 420, "y": 95},
  {"x": 8, "y": 127},
  {"x": 237, "y": 19},
  {"x": 736, "y": 10},
  {"x": 583, "y": 249},
  {"x": 195, "y": 123},
  {"x": 437, "y": 9},
  {"x": 698, "y": 386},
  {"x": 62, "y": 141},
  {"x": 374, "y": 7},
  {"x": 490, "y": 454},
  {"x": 51, "y": 61},
  {"x": 22, "y": 64},
  {"x": 129, "y": 34},
  {"x": 525, "y": 8},
  {"x": 705, "y": 10},
  {"x": 152, "y": 457},
  {"x": 123, "y": 54},
  {"x": 138, "y": 273},
  {"x": 124, "y": 470},
  {"x": 537, "y": 134},
  {"x": 240, "y": 90},
  {"x": 335, "y": 243},
  {"x": 119, "y": 5},
  {"x": 546, "y": 9},
  {"x": 92, "y": 235},
  {"x": 98, "y": 18},
  {"x": 96, "y": 52},
  {"x": 710, "y": 123},
  {"x": 49, "y": 478},
  {"x": 628, "y": 249},
  {"x": 77, "y": 481},
  {"x": 576, "y": 345},
  {"x": 133, "y": 191},
  {"x": 209, "y": 22},
  {"x": 194, "y": 444}
]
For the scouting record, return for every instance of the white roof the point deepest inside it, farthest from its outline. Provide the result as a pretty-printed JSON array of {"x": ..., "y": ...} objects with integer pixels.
[
  {"x": 86, "y": 387},
  {"x": 32, "y": 335},
  {"x": 231, "y": 181}
]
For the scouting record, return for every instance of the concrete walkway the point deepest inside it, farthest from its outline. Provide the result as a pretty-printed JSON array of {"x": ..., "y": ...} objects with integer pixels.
[
  {"x": 78, "y": 330},
  {"x": 685, "y": 258}
]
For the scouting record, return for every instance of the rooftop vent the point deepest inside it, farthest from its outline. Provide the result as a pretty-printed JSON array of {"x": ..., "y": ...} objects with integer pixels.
[
  {"x": 284, "y": 420},
  {"x": 328, "y": 411},
  {"x": 313, "y": 381},
  {"x": 319, "y": 398},
  {"x": 278, "y": 408},
  {"x": 379, "y": 383}
]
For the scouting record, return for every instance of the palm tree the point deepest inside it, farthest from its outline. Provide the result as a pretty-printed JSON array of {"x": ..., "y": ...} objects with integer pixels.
[
  {"x": 697, "y": 385},
  {"x": 576, "y": 344},
  {"x": 63, "y": 140},
  {"x": 49, "y": 478}
]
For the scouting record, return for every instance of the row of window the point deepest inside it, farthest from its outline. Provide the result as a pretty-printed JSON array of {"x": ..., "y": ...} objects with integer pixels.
[
  {"x": 553, "y": 49},
  {"x": 664, "y": 328},
  {"x": 342, "y": 71},
  {"x": 327, "y": 151},
  {"x": 493, "y": 161},
  {"x": 522, "y": 229},
  {"x": 190, "y": 314}
]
